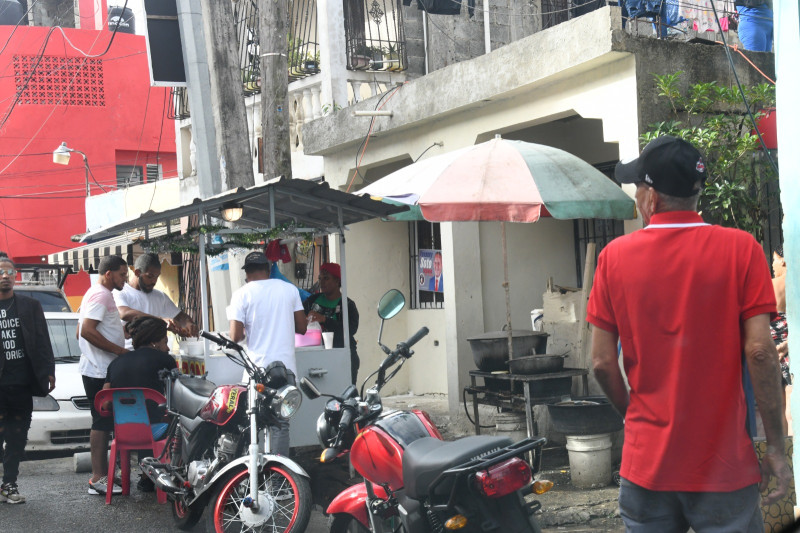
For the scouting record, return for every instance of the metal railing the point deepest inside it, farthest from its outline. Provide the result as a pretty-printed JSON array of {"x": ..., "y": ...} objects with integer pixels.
[{"x": 374, "y": 34}]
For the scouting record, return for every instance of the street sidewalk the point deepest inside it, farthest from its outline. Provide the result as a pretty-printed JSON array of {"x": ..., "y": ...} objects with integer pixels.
[{"x": 564, "y": 508}]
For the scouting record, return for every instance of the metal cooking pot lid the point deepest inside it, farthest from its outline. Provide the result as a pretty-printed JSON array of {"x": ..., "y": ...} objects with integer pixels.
[{"x": 494, "y": 335}]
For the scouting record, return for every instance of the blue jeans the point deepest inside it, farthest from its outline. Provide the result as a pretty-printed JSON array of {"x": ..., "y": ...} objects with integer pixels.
[{"x": 645, "y": 511}]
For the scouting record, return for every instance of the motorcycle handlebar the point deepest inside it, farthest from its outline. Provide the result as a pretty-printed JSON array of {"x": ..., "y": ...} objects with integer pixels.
[
  {"x": 416, "y": 337},
  {"x": 220, "y": 340},
  {"x": 347, "y": 418}
]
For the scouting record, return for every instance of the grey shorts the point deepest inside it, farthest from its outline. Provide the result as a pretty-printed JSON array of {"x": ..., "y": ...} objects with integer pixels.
[{"x": 645, "y": 510}]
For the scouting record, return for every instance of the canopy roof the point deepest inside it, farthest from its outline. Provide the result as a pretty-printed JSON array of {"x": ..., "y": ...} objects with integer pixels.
[{"x": 310, "y": 205}]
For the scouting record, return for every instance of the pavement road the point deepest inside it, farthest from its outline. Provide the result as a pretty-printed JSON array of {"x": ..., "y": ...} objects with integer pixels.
[{"x": 58, "y": 501}]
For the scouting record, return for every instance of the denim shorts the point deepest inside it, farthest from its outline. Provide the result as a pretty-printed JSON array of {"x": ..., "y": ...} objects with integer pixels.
[{"x": 645, "y": 510}]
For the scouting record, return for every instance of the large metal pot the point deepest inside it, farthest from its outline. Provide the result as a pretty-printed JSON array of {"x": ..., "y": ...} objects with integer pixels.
[
  {"x": 589, "y": 415},
  {"x": 490, "y": 350},
  {"x": 536, "y": 364}
]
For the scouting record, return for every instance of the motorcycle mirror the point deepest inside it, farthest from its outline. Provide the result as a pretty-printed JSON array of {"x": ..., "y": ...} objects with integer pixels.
[
  {"x": 329, "y": 455},
  {"x": 390, "y": 304},
  {"x": 309, "y": 389}
]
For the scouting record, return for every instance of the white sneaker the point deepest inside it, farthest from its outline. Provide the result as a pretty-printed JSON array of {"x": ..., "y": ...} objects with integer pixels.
[{"x": 101, "y": 486}]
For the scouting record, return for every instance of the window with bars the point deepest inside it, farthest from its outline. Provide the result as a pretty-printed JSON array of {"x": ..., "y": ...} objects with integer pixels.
[
  {"x": 47, "y": 80},
  {"x": 132, "y": 175},
  {"x": 154, "y": 173},
  {"x": 129, "y": 176},
  {"x": 599, "y": 231},
  {"x": 374, "y": 35},
  {"x": 425, "y": 249}
]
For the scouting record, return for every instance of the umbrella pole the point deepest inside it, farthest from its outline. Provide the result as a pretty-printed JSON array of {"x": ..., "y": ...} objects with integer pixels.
[{"x": 508, "y": 296}]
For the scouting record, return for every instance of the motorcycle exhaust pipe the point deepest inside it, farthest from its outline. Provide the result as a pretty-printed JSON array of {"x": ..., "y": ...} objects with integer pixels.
[{"x": 161, "y": 479}]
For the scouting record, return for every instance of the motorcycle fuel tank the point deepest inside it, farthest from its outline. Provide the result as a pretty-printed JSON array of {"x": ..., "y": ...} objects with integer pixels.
[
  {"x": 377, "y": 452},
  {"x": 221, "y": 406}
]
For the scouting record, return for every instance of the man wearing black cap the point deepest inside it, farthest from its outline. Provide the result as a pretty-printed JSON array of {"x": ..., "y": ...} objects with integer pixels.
[
  {"x": 686, "y": 300},
  {"x": 269, "y": 312}
]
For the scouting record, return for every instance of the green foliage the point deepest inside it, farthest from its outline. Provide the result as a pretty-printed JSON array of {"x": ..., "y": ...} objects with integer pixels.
[
  {"x": 189, "y": 241},
  {"x": 714, "y": 119}
]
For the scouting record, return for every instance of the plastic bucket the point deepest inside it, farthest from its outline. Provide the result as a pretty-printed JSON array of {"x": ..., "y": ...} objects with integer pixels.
[
  {"x": 511, "y": 425},
  {"x": 589, "y": 460}
]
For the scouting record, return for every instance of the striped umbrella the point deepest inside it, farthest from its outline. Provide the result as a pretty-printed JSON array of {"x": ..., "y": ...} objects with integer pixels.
[{"x": 506, "y": 181}]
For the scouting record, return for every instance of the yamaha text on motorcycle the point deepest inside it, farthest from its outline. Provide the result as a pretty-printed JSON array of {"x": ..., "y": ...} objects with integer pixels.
[
  {"x": 213, "y": 461},
  {"x": 413, "y": 480}
]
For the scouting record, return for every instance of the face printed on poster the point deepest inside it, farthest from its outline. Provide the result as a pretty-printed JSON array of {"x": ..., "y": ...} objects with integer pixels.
[{"x": 430, "y": 271}]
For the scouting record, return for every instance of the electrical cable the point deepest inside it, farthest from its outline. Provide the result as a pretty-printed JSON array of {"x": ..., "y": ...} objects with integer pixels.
[
  {"x": 15, "y": 230},
  {"x": 41, "y": 56},
  {"x": 158, "y": 149},
  {"x": 17, "y": 26},
  {"x": 365, "y": 142},
  {"x": 466, "y": 411},
  {"x": 744, "y": 97},
  {"x": 426, "y": 150}
]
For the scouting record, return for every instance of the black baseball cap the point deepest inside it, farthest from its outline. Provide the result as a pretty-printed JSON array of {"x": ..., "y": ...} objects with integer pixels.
[
  {"x": 668, "y": 164},
  {"x": 255, "y": 258}
]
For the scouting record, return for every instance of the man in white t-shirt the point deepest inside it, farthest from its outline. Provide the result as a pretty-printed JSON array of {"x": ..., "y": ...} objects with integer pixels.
[
  {"x": 270, "y": 312},
  {"x": 101, "y": 339},
  {"x": 141, "y": 298}
]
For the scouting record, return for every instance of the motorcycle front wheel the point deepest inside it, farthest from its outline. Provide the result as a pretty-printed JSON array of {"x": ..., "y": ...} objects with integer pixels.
[
  {"x": 345, "y": 523},
  {"x": 284, "y": 503}
]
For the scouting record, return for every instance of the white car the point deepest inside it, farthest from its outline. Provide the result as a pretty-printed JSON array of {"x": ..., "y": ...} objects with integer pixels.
[{"x": 61, "y": 420}]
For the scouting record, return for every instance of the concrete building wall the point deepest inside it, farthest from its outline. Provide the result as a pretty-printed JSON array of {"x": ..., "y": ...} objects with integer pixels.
[
  {"x": 455, "y": 38},
  {"x": 535, "y": 252}
]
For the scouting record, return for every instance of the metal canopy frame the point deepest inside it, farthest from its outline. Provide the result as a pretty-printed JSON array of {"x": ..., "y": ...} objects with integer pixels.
[{"x": 312, "y": 206}]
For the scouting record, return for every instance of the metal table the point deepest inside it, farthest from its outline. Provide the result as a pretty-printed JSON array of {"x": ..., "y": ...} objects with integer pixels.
[{"x": 511, "y": 400}]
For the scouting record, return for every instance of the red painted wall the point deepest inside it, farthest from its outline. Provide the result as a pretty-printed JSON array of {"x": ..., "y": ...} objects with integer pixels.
[{"x": 42, "y": 203}]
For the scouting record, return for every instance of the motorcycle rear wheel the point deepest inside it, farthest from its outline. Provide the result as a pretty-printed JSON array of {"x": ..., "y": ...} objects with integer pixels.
[
  {"x": 185, "y": 517},
  {"x": 345, "y": 523},
  {"x": 227, "y": 512}
]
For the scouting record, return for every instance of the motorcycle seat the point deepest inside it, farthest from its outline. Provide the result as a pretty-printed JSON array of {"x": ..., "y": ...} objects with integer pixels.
[
  {"x": 190, "y": 394},
  {"x": 426, "y": 458}
]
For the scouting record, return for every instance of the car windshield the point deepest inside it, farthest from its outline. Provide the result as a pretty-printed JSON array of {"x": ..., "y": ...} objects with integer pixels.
[
  {"x": 52, "y": 301},
  {"x": 62, "y": 337}
]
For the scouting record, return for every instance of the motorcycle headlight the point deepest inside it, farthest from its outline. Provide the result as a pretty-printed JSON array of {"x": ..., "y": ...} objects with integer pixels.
[
  {"x": 286, "y": 402},
  {"x": 45, "y": 403}
]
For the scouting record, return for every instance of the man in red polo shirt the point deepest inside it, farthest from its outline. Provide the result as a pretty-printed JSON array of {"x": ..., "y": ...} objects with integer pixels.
[{"x": 686, "y": 300}]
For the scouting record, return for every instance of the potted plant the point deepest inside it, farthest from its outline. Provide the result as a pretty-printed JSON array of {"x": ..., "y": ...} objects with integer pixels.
[
  {"x": 376, "y": 55},
  {"x": 311, "y": 63},
  {"x": 393, "y": 55},
  {"x": 361, "y": 56}
]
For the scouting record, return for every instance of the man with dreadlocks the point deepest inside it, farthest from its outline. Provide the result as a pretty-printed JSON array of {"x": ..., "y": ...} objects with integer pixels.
[{"x": 140, "y": 367}]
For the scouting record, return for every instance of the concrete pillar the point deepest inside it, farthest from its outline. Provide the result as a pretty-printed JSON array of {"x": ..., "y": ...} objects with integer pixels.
[
  {"x": 787, "y": 48},
  {"x": 198, "y": 83},
  {"x": 463, "y": 302},
  {"x": 333, "y": 55}
]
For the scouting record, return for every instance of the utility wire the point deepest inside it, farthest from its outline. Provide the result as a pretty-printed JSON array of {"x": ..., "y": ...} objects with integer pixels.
[{"x": 15, "y": 230}]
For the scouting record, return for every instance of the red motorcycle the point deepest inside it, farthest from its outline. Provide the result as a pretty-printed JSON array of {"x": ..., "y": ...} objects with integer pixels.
[
  {"x": 413, "y": 480},
  {"x": 213, "y": 460}
]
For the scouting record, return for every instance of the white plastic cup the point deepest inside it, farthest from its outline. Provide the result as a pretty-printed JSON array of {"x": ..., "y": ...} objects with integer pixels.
[{"x": 327, "y": 339}]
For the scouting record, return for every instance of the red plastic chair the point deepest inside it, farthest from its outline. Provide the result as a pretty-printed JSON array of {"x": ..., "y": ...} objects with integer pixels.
[{"x": 132, "y": 430}]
